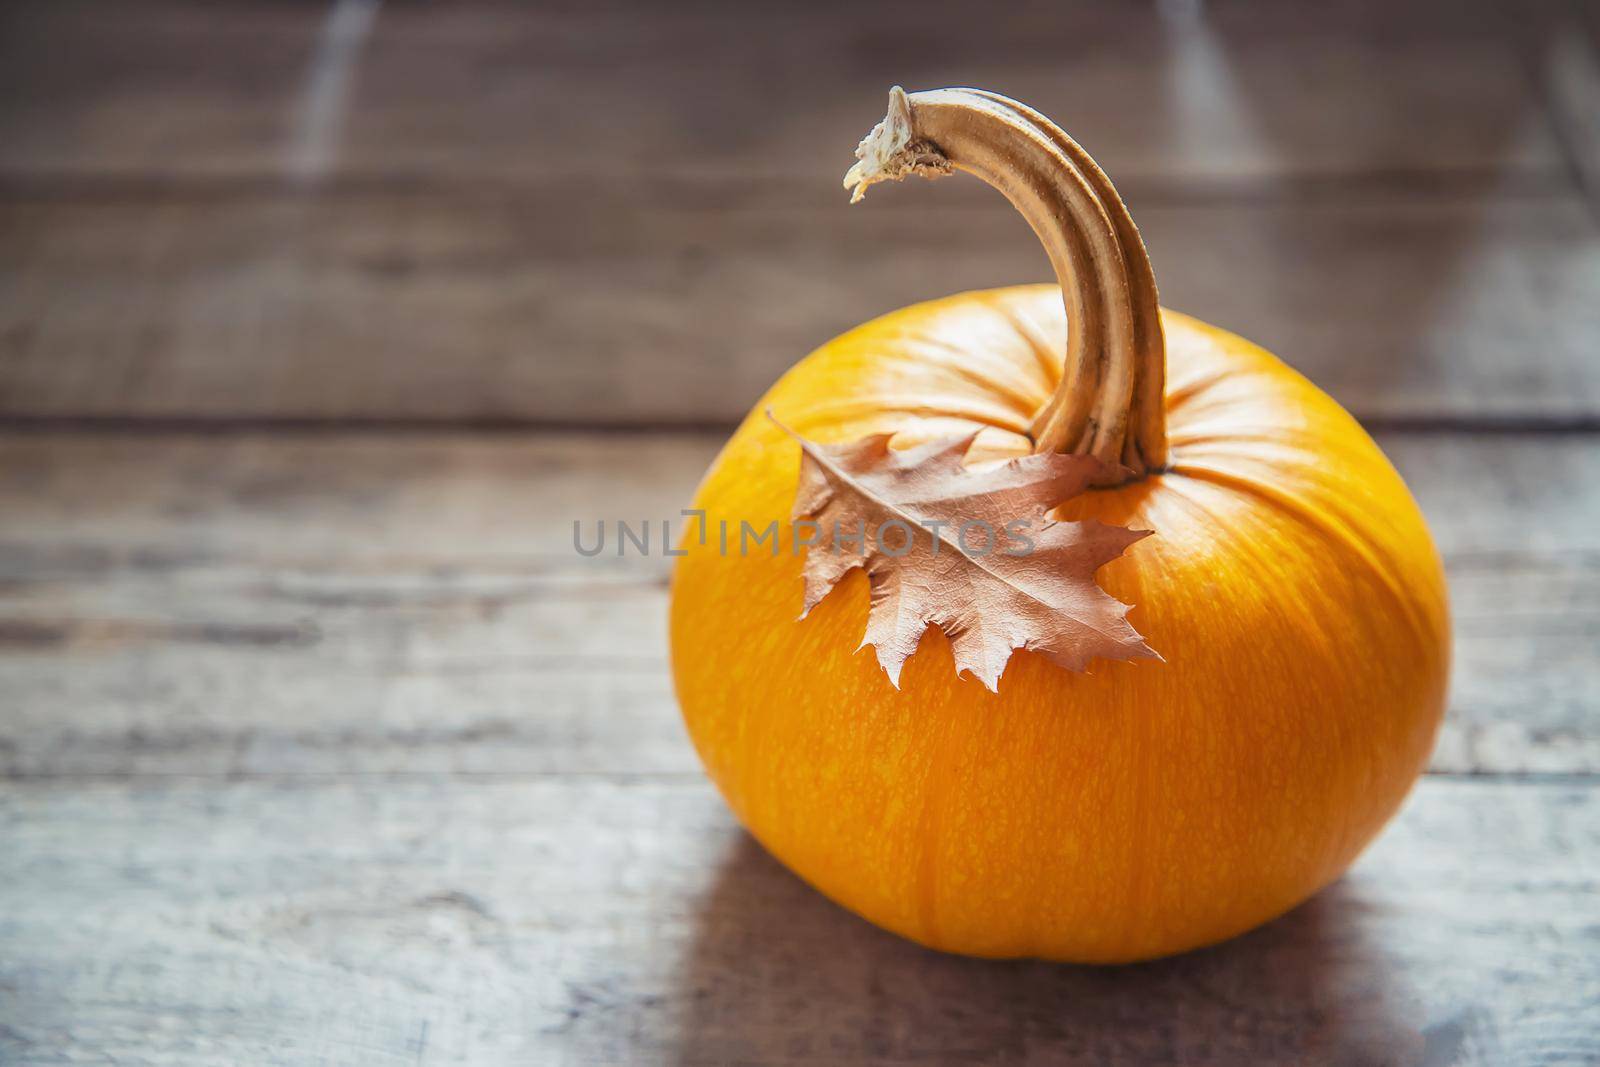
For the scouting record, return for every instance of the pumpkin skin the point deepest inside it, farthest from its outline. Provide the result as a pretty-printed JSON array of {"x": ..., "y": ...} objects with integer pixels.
[{"x": 1140, "y": 809}]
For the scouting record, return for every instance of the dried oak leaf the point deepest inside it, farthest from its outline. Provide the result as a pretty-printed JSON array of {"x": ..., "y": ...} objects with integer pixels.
[{"x": 970, "y": 551}]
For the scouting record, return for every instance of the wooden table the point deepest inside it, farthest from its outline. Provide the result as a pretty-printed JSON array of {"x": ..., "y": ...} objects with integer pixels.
[{"x": 319, "y": 744}]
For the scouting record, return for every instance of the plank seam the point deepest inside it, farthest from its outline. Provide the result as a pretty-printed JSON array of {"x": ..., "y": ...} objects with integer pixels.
[
  {"x": 22, "y": 423},
  {"x": 1585, "y": 779}
]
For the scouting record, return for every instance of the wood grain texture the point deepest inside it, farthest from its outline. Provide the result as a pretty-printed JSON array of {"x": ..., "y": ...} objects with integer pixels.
[
  {"x": 1561, "y": 42},
  {"x": 587, "y": 921},
  {"x": 328, "y": 748},
  {"x": 1353, "y": 88},
  {"x": 247, "y": 604},
  {"x": 589, "y": 301},
  {"x": 630, "y": 214}
]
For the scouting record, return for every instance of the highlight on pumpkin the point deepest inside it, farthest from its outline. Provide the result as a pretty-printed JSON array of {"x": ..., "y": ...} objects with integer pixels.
[{"x": 1185, "y": 715}]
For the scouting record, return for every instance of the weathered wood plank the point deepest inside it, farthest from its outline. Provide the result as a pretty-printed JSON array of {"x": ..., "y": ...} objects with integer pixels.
[
  {"x": 324, "y": 604},
  {"x": 1561, "y": 40},
  {"x": 592, "y": 921},
  {"x": 701, "y": 175},
  {"x": 1223, "y": 93},
  {"x": 596, "y": 302}
]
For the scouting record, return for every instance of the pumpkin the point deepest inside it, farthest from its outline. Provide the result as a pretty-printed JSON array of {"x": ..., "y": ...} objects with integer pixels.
[{"x": 1139, "y": 808}]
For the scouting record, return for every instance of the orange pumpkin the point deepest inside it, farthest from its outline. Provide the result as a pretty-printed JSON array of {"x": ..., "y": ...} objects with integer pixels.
[{"x": 1141, "y": 808}]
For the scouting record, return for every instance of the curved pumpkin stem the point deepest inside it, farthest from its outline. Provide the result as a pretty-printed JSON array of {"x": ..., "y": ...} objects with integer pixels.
[{"x": 1110, "y": 402}]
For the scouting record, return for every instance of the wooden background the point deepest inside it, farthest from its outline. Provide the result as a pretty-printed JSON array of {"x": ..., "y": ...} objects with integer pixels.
[{"x": 319, "y": 325}]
